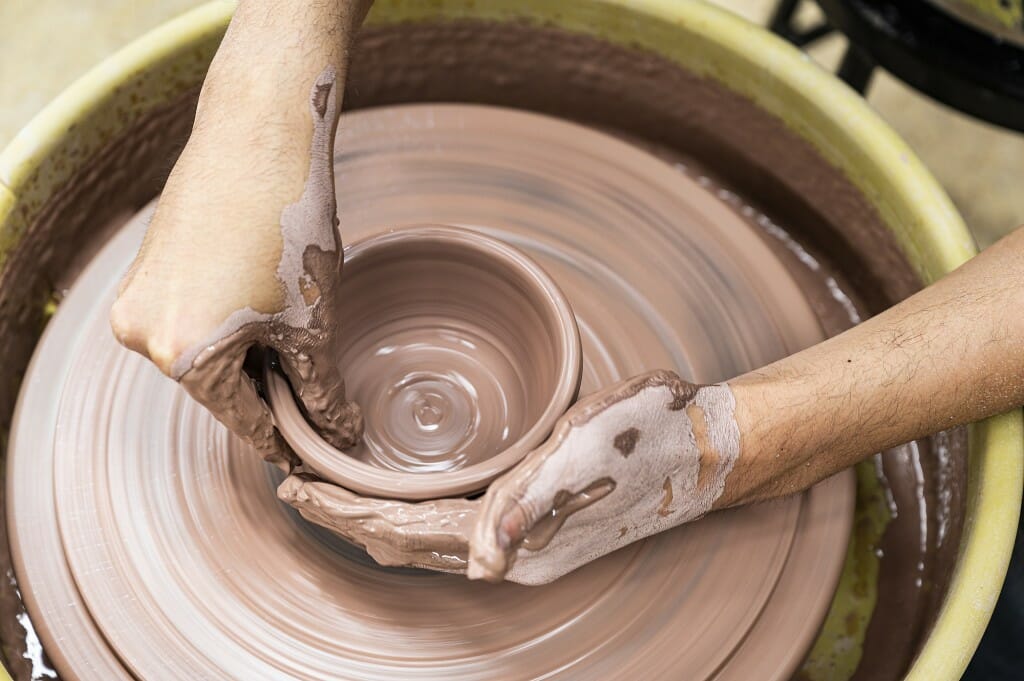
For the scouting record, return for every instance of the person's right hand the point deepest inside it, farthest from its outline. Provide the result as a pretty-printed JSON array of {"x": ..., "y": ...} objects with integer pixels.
[{"x": 244, "y": 246}]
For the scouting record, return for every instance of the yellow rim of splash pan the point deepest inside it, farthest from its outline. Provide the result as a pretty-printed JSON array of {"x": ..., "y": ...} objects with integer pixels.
[{"x": 708, "y": 41}]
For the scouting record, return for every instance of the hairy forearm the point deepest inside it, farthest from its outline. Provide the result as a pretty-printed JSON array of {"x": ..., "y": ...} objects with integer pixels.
[
  {"x": 274, "y": 49},
  {"x": 250, "y": 156},
  {"x": 951, "y": 354},
  {"x": 253, "y": 119}
]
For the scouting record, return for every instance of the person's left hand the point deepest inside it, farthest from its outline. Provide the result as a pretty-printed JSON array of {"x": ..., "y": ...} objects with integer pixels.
[{"x": 627, "y": 462}]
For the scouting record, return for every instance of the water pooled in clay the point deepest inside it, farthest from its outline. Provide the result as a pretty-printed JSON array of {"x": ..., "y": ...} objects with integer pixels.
[{"x": 154, "y": 546}]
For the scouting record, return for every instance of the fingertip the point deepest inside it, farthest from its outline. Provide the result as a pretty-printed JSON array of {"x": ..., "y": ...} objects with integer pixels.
[
  {"x": 290, "y": 489},
  {"x": 486, "y": 561},
  {"x": 511, "y": 528},
  {"x": 495, "y": 542},
  {"x": 477, "y": 572},
  {"x": 488, "y": 569}
]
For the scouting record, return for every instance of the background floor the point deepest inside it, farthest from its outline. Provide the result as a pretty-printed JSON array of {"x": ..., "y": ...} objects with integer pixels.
[{"x": 46, "y": 44}]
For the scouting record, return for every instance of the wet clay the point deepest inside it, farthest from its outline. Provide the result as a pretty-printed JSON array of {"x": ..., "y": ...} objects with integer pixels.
[
  {"x": 844, "y": 250},
  {"x": 192, "y": 530},
  {"x": 460, "y": 350}
]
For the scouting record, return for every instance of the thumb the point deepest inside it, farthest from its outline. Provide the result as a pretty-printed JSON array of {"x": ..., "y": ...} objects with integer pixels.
[
  {"x": 498, "y": 534},
  {"x": 512, "y": 507}
]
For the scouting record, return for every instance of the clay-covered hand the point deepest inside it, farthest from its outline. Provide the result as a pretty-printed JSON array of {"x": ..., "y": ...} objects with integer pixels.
[
  {"x": 622, "y": 464},
  {"x": 244, "y": 248},
  {"x": 428, "y": 534}
]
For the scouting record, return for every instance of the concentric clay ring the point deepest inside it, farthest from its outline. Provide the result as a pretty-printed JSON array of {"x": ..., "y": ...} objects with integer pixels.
[
  {"x": 462, "y": 353},
  {"x": 149, "y": 543}
]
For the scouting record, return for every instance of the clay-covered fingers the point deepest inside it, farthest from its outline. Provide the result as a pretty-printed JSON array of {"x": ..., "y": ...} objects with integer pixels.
[
  {"x": 524, "y": 508},
  {"x": 523, "y": 512},
  {"x": 622, "y": 464},
  {"x": 503, "y": 524},
  {"x": 317, "y": 382},
  {"x": 432, "y": 534},
  {"x": 218, "y": 382}
]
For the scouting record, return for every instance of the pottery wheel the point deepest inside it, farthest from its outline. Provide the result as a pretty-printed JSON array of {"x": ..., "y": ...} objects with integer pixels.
[{"x": 149, "y": 543}]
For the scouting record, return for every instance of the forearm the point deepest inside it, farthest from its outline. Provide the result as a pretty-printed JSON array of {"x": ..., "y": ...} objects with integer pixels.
[
  {"x": 275, "y": 49},
  {"x": 254, "y": 107},
  {"x": 262, "y": 142},
  {"x": 254, "y": 123},
  {"x": 256, "y": 95},
  {"x": 951, "y": 354}
]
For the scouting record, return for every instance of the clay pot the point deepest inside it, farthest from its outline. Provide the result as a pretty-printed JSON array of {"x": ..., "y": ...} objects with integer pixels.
[
  {"x": 103, "y": 147},
  {"x": 479, "y": 352}
]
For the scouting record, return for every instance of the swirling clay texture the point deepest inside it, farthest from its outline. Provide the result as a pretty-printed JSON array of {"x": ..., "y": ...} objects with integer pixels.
[{"x": 149, "y": 542}]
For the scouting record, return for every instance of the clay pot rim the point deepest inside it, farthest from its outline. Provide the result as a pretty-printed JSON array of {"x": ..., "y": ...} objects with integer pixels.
[{"x": 338, "y": 467}]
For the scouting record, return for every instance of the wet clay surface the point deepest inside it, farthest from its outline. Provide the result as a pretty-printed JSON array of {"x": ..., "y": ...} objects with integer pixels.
[
  {"x": 461, "y": 352},
  {"x": 164, "y": 552}
]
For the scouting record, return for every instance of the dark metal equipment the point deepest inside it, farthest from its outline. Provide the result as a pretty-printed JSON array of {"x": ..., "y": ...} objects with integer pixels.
[{"x": 968, "y": 65}]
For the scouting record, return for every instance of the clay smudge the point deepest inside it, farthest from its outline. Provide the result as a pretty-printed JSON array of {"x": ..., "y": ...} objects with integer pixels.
[
  {"x": 626, "y": 441},
  {"x": 723, "y": 433}
]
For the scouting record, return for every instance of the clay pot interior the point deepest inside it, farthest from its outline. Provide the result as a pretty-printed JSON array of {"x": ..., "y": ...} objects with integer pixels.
[{"x": 462, "y": 353}]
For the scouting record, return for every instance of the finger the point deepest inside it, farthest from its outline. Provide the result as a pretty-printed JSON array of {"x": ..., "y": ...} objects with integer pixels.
[
  {"x": 318, "y": 384},
  {"x": 511, "y": 508},
  {"x": 432, "y": 535},
  {"x": 217, "y": 381},
  {"x": 529, "y": 520}
]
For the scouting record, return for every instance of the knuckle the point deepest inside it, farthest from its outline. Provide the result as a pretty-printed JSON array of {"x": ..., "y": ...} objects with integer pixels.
[
  {"x": 163, "y": 349},
  {"x": 123, "y": 322},
  {"x": 134, "y": 328}
]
